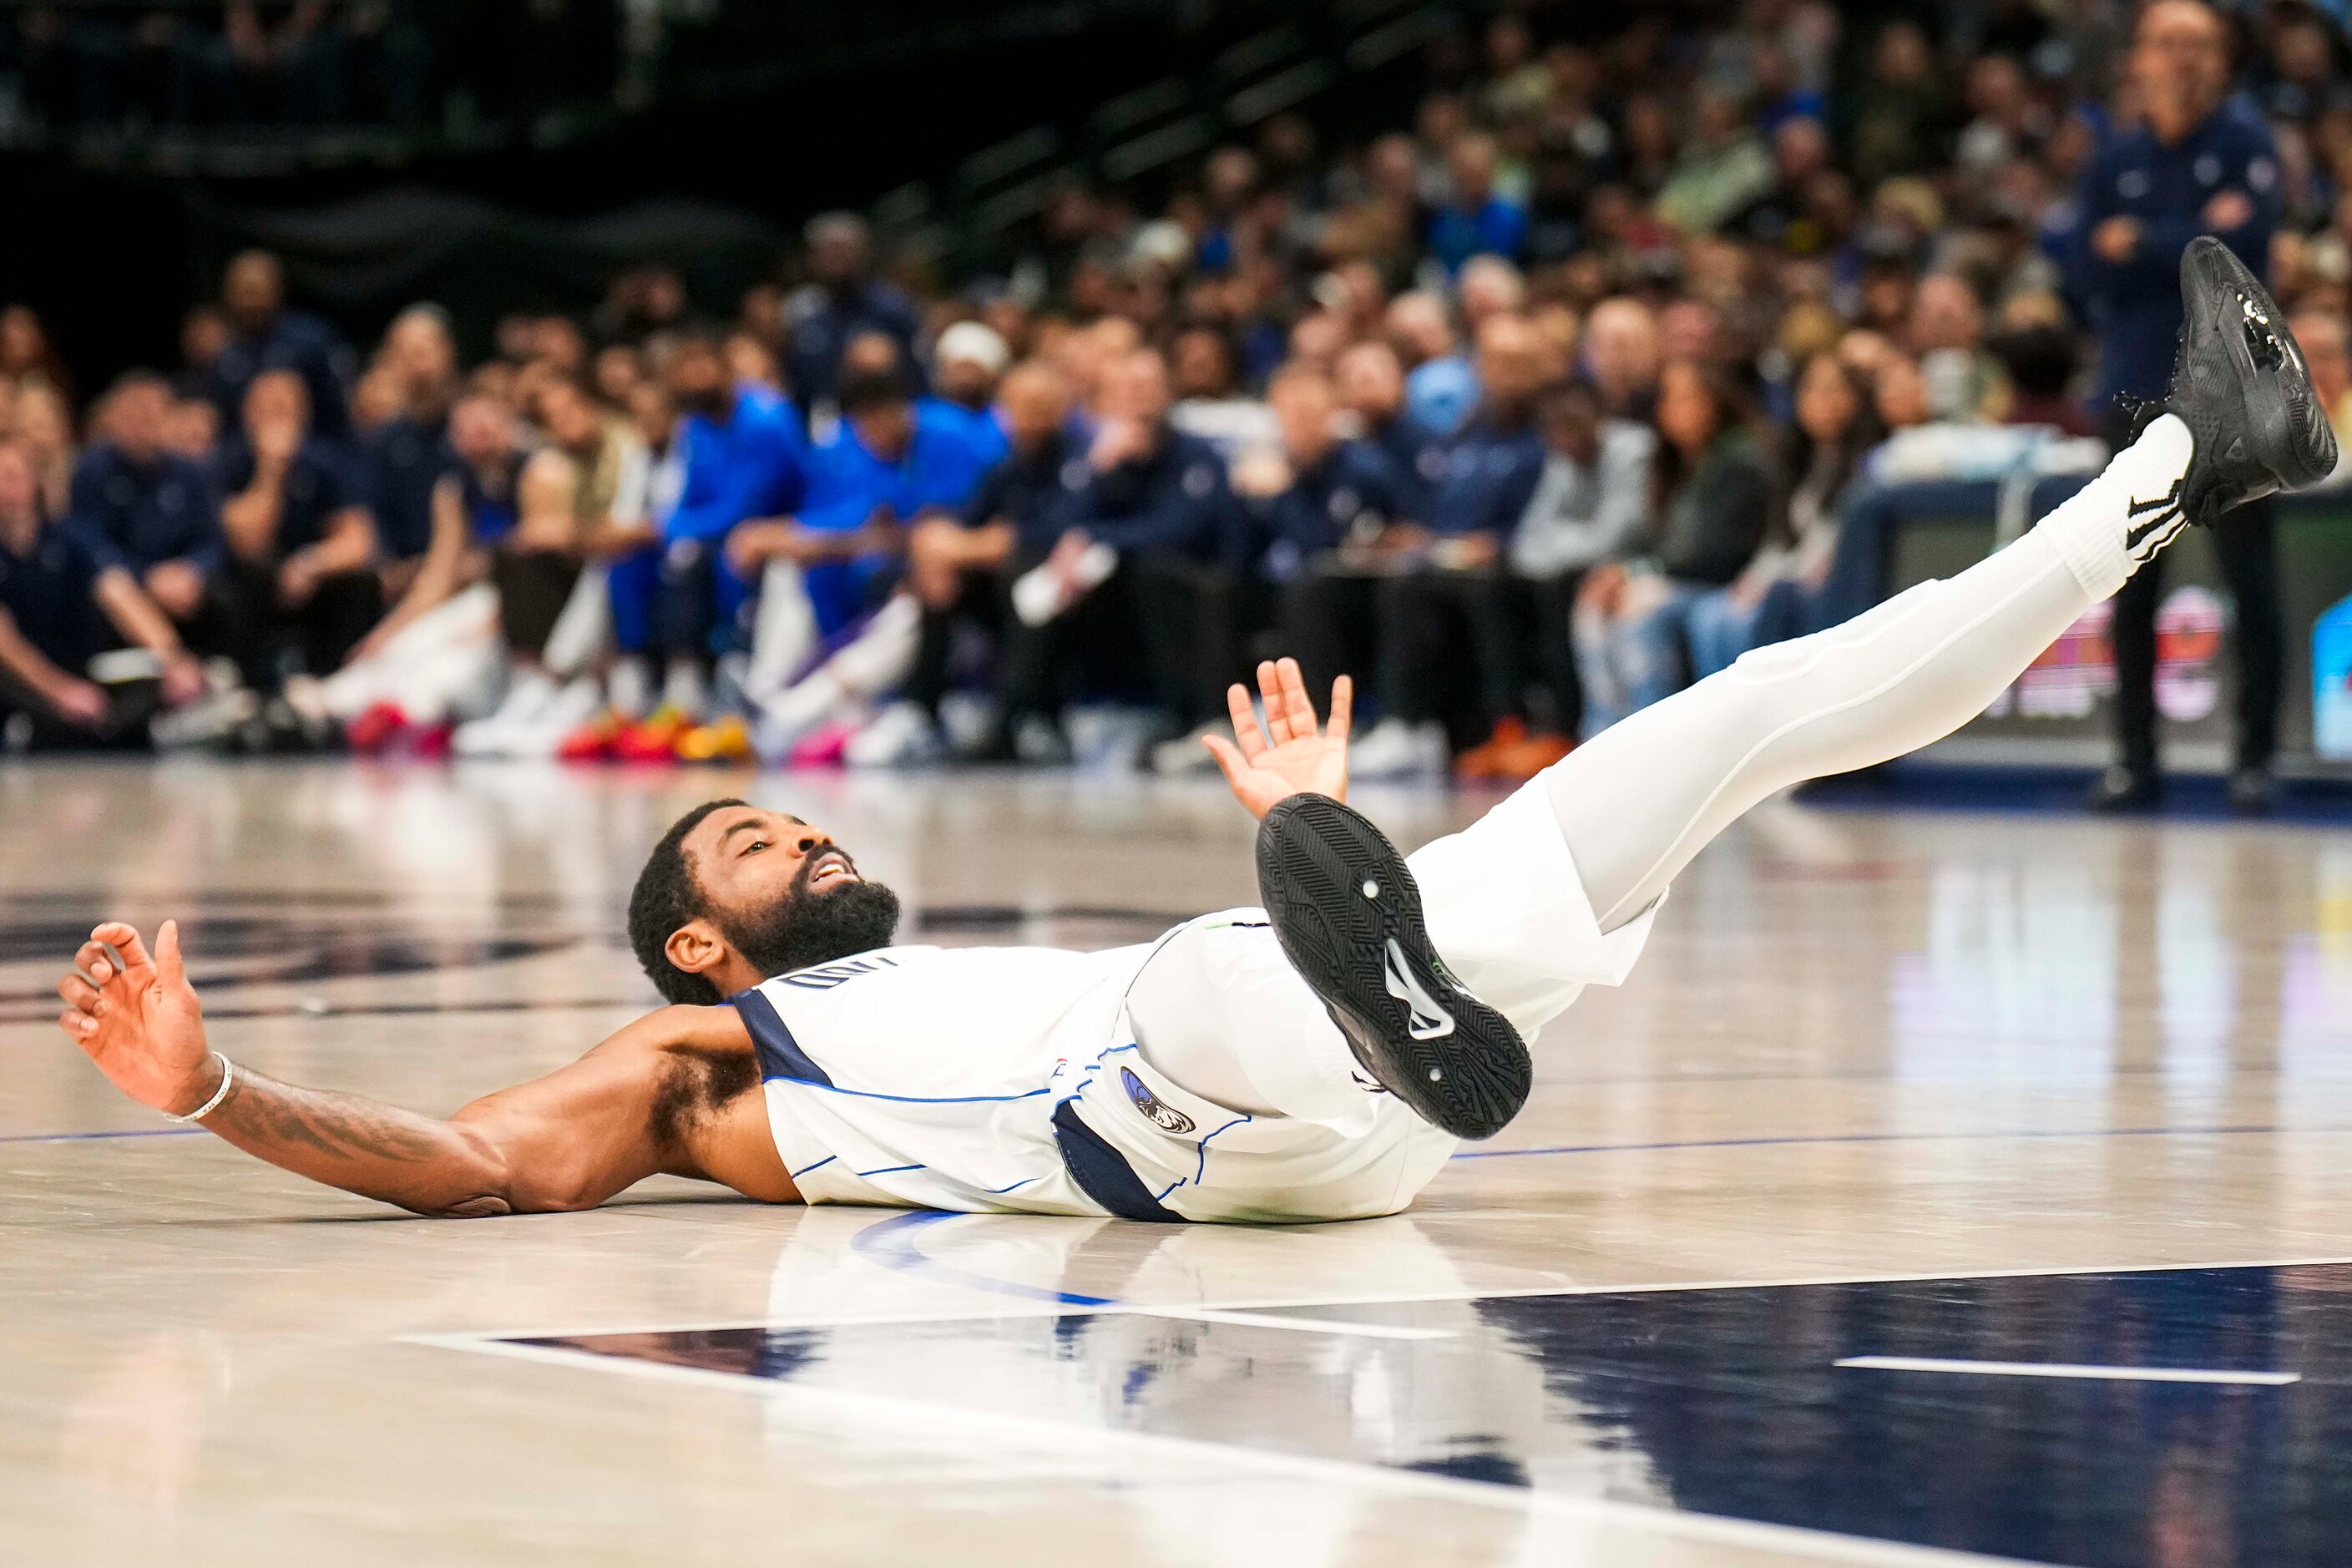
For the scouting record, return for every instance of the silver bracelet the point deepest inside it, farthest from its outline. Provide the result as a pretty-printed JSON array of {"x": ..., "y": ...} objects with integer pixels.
[{"x": 229, "y": 1076}]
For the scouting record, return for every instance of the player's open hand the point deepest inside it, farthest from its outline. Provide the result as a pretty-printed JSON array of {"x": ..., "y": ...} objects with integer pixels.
[
  {"x": 1292, "y": 754},
  {"x": 138, "y": 1018}
]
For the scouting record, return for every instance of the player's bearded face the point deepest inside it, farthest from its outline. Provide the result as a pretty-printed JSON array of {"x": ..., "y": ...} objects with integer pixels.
[{"x": 809, "y": 923}]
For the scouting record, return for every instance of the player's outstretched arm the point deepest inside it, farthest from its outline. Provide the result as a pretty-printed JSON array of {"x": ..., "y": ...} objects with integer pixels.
[
  {"x": 666, "y": 1094},
  {"x": 1292, "y": 754}
]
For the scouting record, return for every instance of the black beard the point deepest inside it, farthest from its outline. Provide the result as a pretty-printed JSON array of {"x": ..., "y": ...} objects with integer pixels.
[{"x": 804, "y": 927}]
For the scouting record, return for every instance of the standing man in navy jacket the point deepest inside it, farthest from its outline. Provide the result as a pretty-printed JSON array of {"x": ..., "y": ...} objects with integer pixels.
[{"x": 2198, "y": 162}]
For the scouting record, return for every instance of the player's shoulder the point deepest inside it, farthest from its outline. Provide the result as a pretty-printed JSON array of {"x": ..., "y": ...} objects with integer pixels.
[{"x": 682, "y": 1027}]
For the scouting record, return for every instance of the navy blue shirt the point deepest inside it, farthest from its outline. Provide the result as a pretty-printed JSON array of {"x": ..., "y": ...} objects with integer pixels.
[
  {"x": 2134, "y": 305},
  {"x": 1027, "y": 490},
  {"x": 1173, "y": 500},
  {"x": 150, "y": 512},
  {"x": 303, "y": 344},
  {"x": 1416, "y": 462},
  {"x": 52, "y": 593},
  {"x": 400, "y": 462},
  {"x": 1353, "y": 484},
  {"x": 819, "y": 324},
  {"x": 318, "y": 484},
  {"x": 1490, "y": 470}
]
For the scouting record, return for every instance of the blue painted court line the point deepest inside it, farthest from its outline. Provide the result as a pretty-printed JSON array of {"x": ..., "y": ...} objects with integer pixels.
[{"x": 90, "y": 1137}]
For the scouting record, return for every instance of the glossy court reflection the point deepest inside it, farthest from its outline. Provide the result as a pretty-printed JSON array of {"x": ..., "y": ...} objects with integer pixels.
[{"x": 1723, "y": 1402}]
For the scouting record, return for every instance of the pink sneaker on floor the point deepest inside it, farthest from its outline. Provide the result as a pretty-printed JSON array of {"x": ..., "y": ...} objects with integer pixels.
[{"x": 821, "y": 747}]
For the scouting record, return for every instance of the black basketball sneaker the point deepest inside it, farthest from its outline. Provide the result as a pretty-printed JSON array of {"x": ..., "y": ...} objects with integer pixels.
[
  {"x": 2240, "y": 383},
  {"x": 1347, "y": 915}
]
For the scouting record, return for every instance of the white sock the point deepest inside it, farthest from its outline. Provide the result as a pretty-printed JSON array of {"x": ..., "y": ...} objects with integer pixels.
[
  {"x": 682, "y": 687},
  {"x": 2118, "y": 521},
  {"x": 630, "y": 687}
]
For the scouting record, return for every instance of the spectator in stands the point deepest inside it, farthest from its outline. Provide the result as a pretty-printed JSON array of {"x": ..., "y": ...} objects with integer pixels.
[
  {"x": 2038, "y": 364},
  {"x": 1711, "y": 499},
  {"x": 65, "y": 599},
  {"x": 1440, "y": 387},
  {"x": 43, "y": 425},
  {"x": 567, "y": 497},
  {"x": 1774, "y": 597},
  {"x": 967, "y": 363},
  {"x": 1313, "y": 514},
  {"x": 1475, "y": 219},
  {"x": 2197, "y": 162},
  {"x": 679, "y": 602},
  {"x": 156, "y": 510},
  {"x": 961, "y": 566},
  {"x": 26, "y": 355},
  {"x": 892, "y": 463},
  {"x": 1722, "y": 171},
  {"x": 1945, "y": 334},
  {"x": 841, "y": 300},
  {"x": 1371, "y": 385},
  {"x": 403, "y": 459},
  {"x": 1141, "y": 522},
  {"x": 1457, "y": 597},
  {"x": 1590, "y": 507},
  {"x": 204, "y": 333},
  {"x": 2326, "y": 349},
  {"x": 1621, "y": 356},
  {"x": 264, "y": 335},
  {"x": 296, "y": 589}
]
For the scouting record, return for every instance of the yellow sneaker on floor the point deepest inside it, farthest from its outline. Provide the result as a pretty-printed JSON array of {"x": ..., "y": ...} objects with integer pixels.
[{"x": 727, "y": 740}]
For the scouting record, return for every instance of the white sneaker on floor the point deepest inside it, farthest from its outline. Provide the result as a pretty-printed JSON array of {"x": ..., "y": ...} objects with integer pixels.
[
  {"x": 903, "y": 736},
  {"x": 1396, "y": 750},
  {"x": 530, "y": 694},
  {"x": 1185, "y": 754},
  {"x": 572, "y": 707}
]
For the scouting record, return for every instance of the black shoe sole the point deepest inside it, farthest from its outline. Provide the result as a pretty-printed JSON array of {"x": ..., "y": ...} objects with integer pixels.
[
  {"x": 1347, "y": 912},
  {"x": 2243, "y": 388}
]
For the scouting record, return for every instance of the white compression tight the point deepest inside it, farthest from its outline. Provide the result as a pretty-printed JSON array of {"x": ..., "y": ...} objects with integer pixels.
[{"x": 1637, "y": 802}]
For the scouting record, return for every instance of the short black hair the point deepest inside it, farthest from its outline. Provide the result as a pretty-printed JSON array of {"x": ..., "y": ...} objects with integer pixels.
[
  {"x": 863, "y": 391},
  {"x": 667, "y": 895}
]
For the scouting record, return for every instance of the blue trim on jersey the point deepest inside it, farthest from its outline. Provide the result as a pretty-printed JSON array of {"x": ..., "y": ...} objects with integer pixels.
[
  {"x": 888, "y": 1169},
  {"x": 1200, "y": 1172},
  {"x": 820, "y": 1165},
  {"x": 1000, "y": 1192},
  {"x": 910, "y": 1098},
  {"x": 780, "y": 1054}
]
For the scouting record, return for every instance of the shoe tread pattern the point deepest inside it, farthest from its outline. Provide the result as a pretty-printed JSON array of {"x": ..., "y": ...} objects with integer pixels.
[{"x": 1315, "y": 857}]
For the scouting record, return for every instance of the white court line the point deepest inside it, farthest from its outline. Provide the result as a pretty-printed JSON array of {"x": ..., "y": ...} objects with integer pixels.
[
  {"x": 2056, "y": 1369},
  {"x": 1015, "y": 1308},
  {"x": 1268, "y": 1321},
  {"x": 923, "y": 1419}
]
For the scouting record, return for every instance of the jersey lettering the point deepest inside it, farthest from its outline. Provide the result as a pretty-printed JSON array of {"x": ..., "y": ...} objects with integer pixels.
[{"x": 825, "y": 976}]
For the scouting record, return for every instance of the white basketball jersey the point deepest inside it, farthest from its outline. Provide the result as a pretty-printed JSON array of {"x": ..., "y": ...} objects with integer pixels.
[{"x": 928, "y": 1077}]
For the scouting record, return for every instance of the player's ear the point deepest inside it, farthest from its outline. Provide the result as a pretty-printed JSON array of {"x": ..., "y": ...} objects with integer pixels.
[{"x": 696, "y": 947}]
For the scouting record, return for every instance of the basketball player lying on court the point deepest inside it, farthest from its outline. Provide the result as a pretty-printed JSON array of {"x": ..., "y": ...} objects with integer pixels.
[{"x": 1314, "y": 1059}]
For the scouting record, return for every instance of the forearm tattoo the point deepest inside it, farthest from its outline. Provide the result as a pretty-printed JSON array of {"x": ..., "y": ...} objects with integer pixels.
[{"x": 377, "y": 1150}]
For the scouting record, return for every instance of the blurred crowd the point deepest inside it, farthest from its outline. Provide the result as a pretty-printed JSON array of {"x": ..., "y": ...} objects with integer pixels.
[{"x": 1523, "y": 417}]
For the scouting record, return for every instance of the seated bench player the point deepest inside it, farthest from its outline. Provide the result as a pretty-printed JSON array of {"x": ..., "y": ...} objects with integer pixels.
[{"x": 1313, "y": 1059}]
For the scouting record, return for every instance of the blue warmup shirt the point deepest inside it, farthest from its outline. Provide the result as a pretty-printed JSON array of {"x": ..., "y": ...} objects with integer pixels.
[
  {"x": 320, "y": 483},
  {"x": 980, "y": 426},
  {"x": 1027, "y": 489},
  {"x": 301, "y": 343},
  {"x": 1489, "y": 474},
  {"x": 399, "y": 463},
  {"x": 2135, "y": 305},
  {"x": 1175, "y": 499},
  {"x": 1497, "y": 228},
  {"x": 754, "y": 465},
  {"x": 150, "y": 512},
  {"x": 1352, "y": 484},
  {"x": 848, "y": 483},
  {"x": 51, "y": 594}
]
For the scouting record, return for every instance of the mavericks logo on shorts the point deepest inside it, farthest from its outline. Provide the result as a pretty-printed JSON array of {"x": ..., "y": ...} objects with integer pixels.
[{"x": 1167, "y": 1117}]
